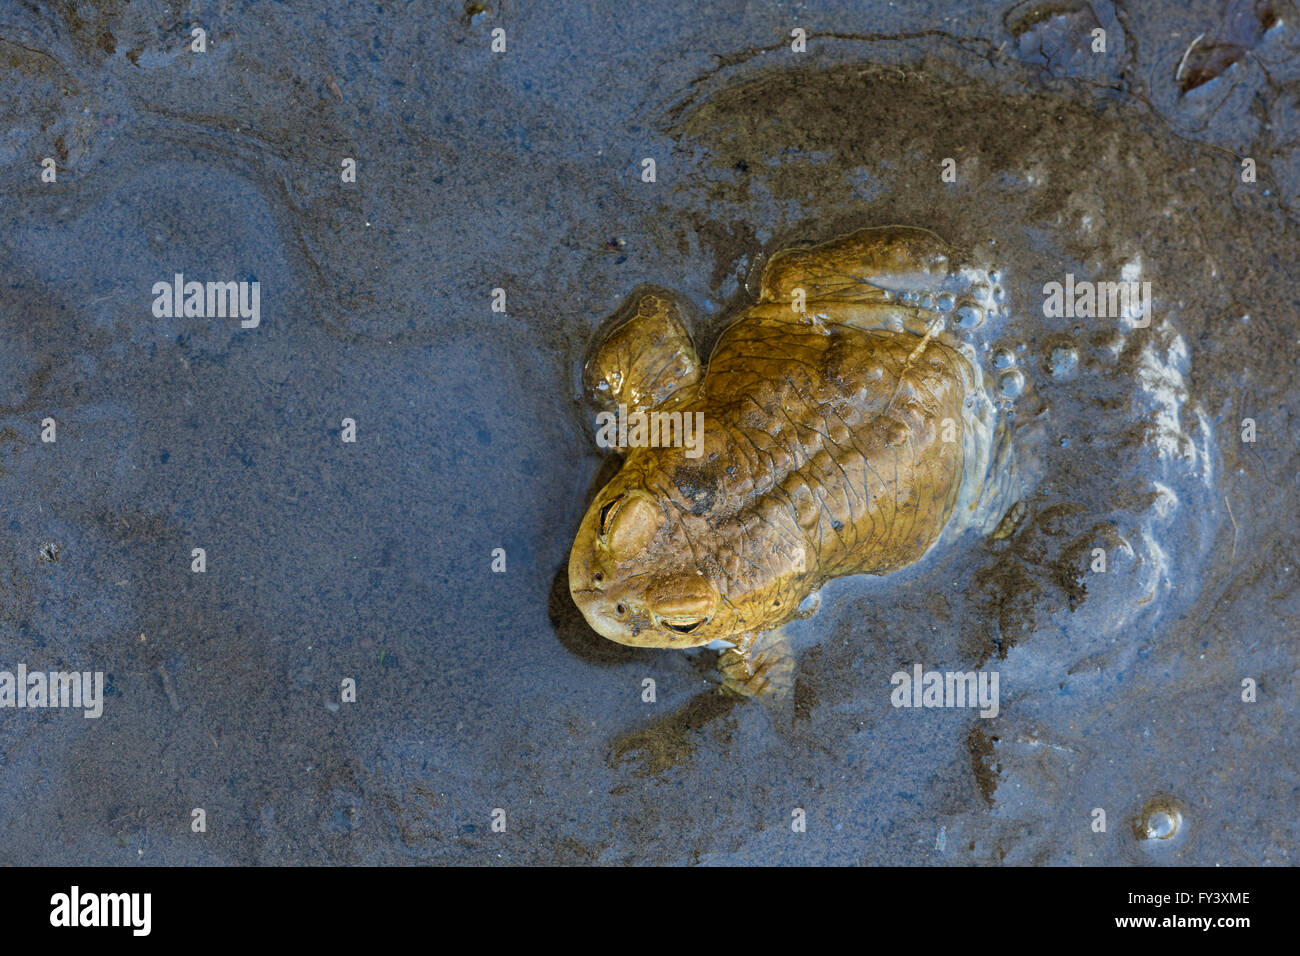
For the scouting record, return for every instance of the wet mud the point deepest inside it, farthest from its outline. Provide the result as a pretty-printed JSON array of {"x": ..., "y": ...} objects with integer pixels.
[{"x": 1168, "y": 446}]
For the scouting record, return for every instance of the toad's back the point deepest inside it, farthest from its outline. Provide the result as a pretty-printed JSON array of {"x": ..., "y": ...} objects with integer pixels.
[{"x": 835, "y": 433}]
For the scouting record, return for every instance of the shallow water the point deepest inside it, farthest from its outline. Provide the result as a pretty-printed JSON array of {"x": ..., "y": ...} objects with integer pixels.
[{"x": 372, "y": 560}]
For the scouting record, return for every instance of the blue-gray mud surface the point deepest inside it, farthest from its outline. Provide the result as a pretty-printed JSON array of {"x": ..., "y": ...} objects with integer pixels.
[{"x": 521, "y": 170}]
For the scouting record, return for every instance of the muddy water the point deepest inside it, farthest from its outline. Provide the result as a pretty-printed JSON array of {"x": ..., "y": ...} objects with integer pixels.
[{"x": 372, "y": 560}]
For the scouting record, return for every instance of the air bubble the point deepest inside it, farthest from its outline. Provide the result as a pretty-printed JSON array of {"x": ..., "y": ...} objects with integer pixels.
[
  {"x": 969, "y": 317},
  {"x": 1161, "y": 822},
  {"x": 1011, "y": 384},
  {"x": 946, "y": 301},
  {"x": 1003, "y": 358}
]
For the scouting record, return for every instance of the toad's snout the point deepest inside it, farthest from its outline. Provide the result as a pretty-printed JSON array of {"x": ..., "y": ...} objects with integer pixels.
[{"x": 670, "y": 612}]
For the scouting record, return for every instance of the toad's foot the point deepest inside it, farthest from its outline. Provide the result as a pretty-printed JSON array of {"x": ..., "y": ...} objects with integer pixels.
[{"x": 761, "y": 665}]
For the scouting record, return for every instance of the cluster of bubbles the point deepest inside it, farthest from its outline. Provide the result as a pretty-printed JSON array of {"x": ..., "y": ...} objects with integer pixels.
[
  {"x": 1011, "y": 380},
  {"x": 975, "y": 300},
  {"x": 983, "y": 298}
]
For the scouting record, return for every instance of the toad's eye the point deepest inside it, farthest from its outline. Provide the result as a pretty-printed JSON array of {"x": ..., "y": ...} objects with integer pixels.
[
  {"x": 684, "y": 627},
  {"x": 607, "y": 513}
]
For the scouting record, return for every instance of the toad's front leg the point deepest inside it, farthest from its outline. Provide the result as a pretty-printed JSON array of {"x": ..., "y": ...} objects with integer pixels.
[{"x": 760, "y": 665}]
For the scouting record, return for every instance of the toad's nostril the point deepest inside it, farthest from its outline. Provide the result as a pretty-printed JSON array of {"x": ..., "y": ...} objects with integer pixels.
[
  {"x": 597, "y": 578},
  {"x": 620, "y": 610}
]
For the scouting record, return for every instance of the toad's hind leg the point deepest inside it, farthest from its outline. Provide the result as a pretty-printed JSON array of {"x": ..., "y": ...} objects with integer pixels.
[
  {"x": 644, "y": 357},
  {"x": 862, "y": 266},
  {"x": 761, "y": 665}
]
